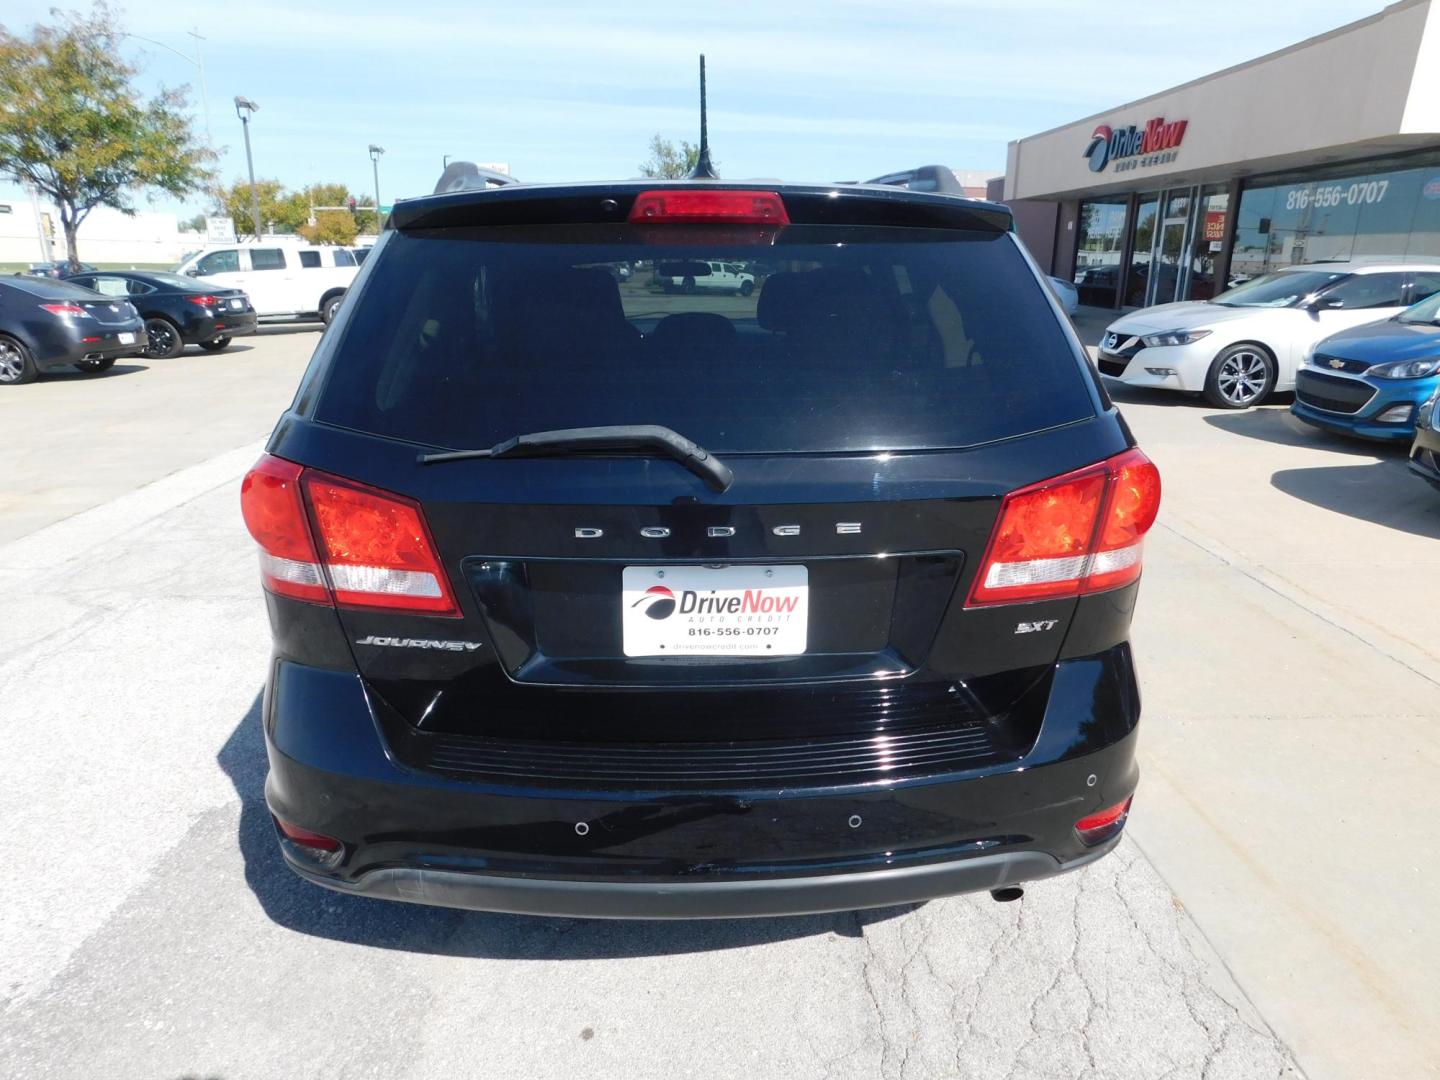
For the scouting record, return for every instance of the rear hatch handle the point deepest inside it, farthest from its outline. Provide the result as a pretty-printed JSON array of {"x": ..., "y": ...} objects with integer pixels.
[{"x": 599, "y": 440}]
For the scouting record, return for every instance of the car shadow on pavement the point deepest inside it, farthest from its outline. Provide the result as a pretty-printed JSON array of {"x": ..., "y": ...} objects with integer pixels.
[
  {"x": 1125, "y": 394},
  {"x": 308, "y": 909},
  {"x": 91, "y": 376},
  {"x": 1384, "y": 493},
  {"x": 1276, "y": 425}
]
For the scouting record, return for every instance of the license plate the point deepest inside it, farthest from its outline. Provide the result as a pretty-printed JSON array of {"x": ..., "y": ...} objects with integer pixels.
[
  {"x": 237, "y": 304},
  {"x": 714, "y": 610},
  {"x": 126, "y": 339}
]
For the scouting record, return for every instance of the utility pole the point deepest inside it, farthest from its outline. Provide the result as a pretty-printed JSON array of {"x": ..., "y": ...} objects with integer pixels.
[
  {"x": 204, "y": 88},
  {"x": 249, "y": 107},
  {"x": 45, "y": 253},
  {"x": 375, "y": 152}
]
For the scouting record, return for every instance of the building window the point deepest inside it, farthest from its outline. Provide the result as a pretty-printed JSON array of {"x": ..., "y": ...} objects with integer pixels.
[
  {"x": 1384, "y": 209},
  {"x": 1210, "y": 227},
  {"x": 1098, "y": 249}
]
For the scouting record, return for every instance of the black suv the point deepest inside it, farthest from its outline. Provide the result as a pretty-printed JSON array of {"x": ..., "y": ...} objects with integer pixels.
[{"x": 591, "y": 599}]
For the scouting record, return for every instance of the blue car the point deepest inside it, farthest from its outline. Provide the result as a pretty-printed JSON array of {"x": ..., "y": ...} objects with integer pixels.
[{"x": 1369, "y": 381}]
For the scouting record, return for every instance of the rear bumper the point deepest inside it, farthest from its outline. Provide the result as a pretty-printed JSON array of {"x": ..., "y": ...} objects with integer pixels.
[
  {"x": 701, "y": 899},
  {"x": 414, "y": 835},
  {"x": 62, "y": 352},
  {"x": 223, "y": 324}
]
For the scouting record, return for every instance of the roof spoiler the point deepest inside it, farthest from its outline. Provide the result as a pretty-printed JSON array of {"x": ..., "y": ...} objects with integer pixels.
[
  {"x": 939, "y": 178},
  {"x": 467, "y": 176}
]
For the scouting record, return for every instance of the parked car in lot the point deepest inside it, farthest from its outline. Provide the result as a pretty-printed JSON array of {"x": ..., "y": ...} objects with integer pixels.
[
  {"x": 1066, "y": 293},
  {"x": 1425, "y": 451},
  {"x": 177, "y": 310},
  {"x": 46, "y": 325},
  {"x": 52, "y": 269},
  {"x": 1369, "y": 381},
  {"x": 582, "y": 607},
  {"x": 706, "y": 276},
  {"x": 283, "y": 278},
  {"x": 1248, "y": 342}
]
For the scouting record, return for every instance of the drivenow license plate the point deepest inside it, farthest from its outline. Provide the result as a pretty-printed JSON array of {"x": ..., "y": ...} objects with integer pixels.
[{"x": 714, "y": 610}]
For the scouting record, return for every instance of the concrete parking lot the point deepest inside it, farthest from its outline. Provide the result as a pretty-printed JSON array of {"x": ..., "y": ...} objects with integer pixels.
[{"x": 1268, "y": 915}]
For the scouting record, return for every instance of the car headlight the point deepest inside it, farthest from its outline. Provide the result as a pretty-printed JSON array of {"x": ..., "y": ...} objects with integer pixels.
[
  {"x": 1406, "y": 369},
  {"x": 1174, "y": 337}
]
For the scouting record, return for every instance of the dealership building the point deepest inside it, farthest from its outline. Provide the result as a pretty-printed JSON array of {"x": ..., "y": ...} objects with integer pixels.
[{"x": 1327, "y": 150}]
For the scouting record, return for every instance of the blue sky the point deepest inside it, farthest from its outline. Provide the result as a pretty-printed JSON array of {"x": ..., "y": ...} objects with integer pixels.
[{"x": 812, "y": 90}]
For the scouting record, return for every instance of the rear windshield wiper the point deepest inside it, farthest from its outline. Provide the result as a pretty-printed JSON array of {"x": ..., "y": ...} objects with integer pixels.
[{"x": 590, "y": 440}]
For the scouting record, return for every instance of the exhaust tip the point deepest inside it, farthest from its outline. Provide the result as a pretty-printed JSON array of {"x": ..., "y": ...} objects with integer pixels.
[{"x": 1007, "y": 895}]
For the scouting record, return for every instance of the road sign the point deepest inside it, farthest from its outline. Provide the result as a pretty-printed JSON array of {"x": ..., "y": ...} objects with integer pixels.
[{"x": 219, "y": 230}]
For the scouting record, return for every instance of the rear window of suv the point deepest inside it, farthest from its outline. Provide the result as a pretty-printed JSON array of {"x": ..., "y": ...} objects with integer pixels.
[{"x": 834, "y": 339}]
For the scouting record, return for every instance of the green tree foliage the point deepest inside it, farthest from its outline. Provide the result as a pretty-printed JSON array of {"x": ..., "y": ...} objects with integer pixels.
[
  {"x": 667, "y": 161},
  {"x": 290, "y": 211},
  {"x": 331, "y": 227},
  {"x": 73, "y": 124}
]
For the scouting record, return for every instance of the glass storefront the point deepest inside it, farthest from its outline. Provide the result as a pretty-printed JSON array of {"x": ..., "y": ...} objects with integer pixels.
[
  {"x": 1211, "y": 222},
  {"x": 1388, "y": 208},
  {"x": 1142, "y": 245},
  {"x": 1099, "y": 247}
]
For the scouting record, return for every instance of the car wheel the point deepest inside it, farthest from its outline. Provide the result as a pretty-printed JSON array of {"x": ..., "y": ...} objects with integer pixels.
[
  {"x": 162, "y": 339},
  {"x": 215, "y": 344},
  {"x": 94, "y": 367},
  {"x": 16, "y": 364},
  {"x": 688, "y": 286},
  {"x": 330, "y": 307},
  {"x": 1241, "y": 376},
  {"x": 746, "y": 288}
]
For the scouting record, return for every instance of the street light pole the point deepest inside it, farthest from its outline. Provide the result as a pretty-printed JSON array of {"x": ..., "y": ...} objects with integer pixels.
[
  {"x": 244, "y": 107},
  {"x": 375, "y": 152}
]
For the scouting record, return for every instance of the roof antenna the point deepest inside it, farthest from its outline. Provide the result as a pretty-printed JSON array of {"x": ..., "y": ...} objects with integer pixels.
[{"x": 703, "y": 169}]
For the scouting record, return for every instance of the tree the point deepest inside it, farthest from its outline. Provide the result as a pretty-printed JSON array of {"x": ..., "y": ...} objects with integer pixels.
[
  {"x": 287, "y": 211},
  {"x": 667, "y": 161},
  {"x": 331, "y": 227},
  {"x": 73, "y": 124},
  {"x": 194, "y": 224}
]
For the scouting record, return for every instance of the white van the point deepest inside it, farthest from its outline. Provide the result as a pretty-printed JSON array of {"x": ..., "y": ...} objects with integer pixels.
[{"x": 283, "y": 278}]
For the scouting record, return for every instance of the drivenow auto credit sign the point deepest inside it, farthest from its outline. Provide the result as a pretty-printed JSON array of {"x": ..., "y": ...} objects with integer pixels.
[{"x": 1135, "y": 147}]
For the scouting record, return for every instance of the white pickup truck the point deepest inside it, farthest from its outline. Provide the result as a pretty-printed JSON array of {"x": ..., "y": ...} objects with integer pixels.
[
  {"x": 283, "y": 278},
  {"x": 693, "y": 277}
]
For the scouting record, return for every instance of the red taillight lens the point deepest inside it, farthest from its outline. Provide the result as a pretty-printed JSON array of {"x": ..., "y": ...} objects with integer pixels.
[
  {"x": 1103, "y": 824},
  {"x": 202, "y": 301},
  {"x": 306, "y": 838},
  {"x": 376, "y": 548},
  {"x": 1073, "y": 534},
  {"x": 271, "y": 504},
  {"x": 377, "y": 551},
  {"x": 67, "y": 310},
  {"x": 692, "y": 206}
]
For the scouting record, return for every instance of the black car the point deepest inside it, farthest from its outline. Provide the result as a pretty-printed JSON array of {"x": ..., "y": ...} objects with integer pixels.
[
  {"x": 1425, "y": 450},
  {"x": 593, "y": 602},
  {"x": 177, "y": 310},
  {"x": 52, "y": 269},
  {"x": 46, "y": 325}
]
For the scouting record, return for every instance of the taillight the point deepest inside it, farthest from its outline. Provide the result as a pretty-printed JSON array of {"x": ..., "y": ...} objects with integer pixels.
[
  {"x": 376, "y": 548},
  {"x": 702, "y": 206},
  {"x": 1077, "y": 533},
  {"x": 306, "y": 838},
  {"x": 274, "y": 512},
  {"x": 368, "y": 548},
  {"x": 1103, "y": 824},
  {"x": 202, "y": 301},
  {"x": 73, "y": 311}
]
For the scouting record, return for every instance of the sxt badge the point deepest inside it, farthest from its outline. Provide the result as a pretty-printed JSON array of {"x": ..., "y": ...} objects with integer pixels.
[{"x": 1035, "y": 627}]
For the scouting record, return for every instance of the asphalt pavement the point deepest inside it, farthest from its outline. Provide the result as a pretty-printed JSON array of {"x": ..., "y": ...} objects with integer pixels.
[{"x": 151, "y": 930}]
